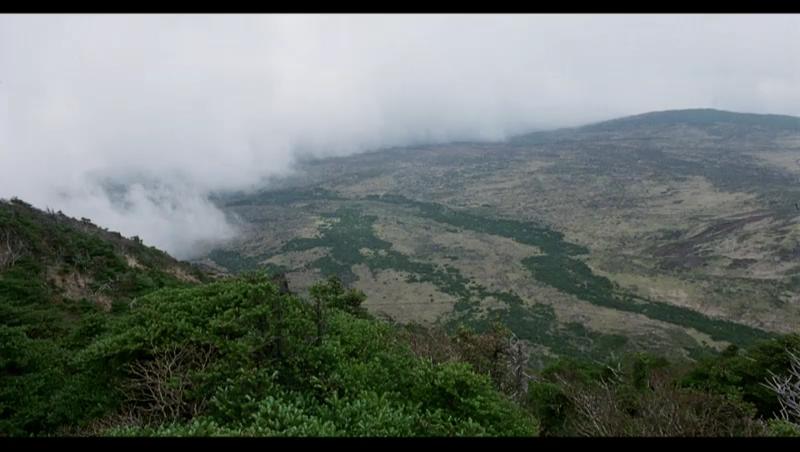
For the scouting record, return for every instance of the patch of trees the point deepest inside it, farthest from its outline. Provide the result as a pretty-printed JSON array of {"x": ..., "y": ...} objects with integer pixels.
[
  {"x": 645, "y": 395},
  {"x": 242, "y": 357},
  {"x": 572, "y": 276}
]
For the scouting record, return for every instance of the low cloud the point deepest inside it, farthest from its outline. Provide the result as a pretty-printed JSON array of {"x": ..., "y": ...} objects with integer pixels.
[{"x": 133, "y": 120}]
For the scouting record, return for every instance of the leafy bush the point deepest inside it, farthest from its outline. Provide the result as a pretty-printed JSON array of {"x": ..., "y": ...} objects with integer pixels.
[
  {"x": 639, "y": 397},
  {"x": 742, "y": 373},
  {"x": 240, "y": 358}
]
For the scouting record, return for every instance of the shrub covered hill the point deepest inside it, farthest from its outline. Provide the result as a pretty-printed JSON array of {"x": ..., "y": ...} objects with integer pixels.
[{"x": 103, "y": 336}]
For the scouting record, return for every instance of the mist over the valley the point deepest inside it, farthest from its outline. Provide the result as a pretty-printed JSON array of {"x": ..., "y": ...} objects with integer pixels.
[{"x": 133, "y": 121}]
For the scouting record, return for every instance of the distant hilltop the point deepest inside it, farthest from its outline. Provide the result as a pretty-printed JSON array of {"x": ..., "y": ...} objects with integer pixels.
[{"x": 698, "y": 116}]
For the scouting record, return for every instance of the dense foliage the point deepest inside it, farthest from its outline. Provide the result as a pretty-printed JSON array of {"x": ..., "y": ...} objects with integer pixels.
[
  {"x": 240, "y": 358},
  {"x": 61, "y": 281},
  {"x": 244, "y": 356}
]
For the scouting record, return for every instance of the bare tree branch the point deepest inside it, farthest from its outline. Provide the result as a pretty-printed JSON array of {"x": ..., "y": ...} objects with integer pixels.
[
  {"x": 159, "y": 389},
  {"x": 787, "y": 388},
  {"x": 11, "y": 249}
]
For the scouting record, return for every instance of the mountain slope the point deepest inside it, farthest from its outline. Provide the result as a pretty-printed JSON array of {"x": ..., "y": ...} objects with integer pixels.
[
  {"x": 62, "y": 281},
  {"x": 681, "y": 215},
  {"x": 71, "y": 259}
]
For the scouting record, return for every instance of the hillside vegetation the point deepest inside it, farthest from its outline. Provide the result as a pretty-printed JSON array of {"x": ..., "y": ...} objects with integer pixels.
[{"x": 145, "y": 352}]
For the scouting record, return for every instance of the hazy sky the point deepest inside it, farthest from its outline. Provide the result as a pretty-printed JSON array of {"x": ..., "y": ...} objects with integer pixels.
[{"x": 177, "y": 106}]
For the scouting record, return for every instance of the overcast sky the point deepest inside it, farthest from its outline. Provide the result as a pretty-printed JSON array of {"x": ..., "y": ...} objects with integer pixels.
[{"x": 176, "y": 107}]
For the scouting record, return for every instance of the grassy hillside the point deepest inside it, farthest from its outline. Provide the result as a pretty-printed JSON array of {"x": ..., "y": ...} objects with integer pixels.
[
  {"x": 349, "y": 240},
  {"x": 671, "y": 232}
]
